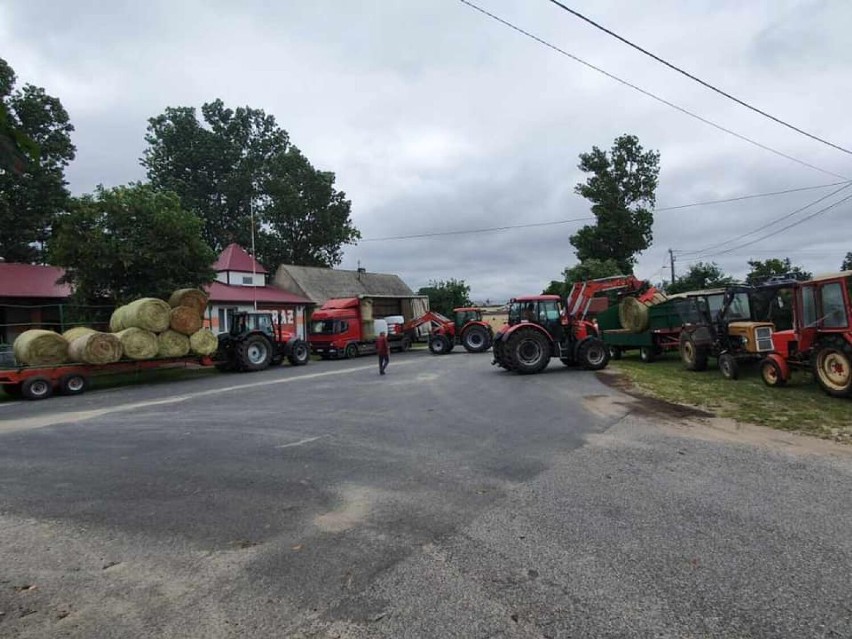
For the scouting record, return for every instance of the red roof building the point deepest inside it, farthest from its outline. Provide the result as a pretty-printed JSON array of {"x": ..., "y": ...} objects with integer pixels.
[{"x": 30, "y": 297}]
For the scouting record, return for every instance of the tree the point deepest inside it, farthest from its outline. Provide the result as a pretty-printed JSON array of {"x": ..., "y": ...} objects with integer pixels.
[
  {"x": 239, "y": 165},
  {"x": 700, "y": 276},
  {"x": 445, "y": 296},
  {"x": 760, "y": 270},
  {"x": 621, "y": 188},
  {"x": 847, "y": 262},
  {"x": 35, "y": 140},
  {"x": 590, "y": 269},
  {"x": 128, "y": 242}
]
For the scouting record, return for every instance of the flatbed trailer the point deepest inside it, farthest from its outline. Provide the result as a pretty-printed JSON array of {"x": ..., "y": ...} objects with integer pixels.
[
  {"x": 663, "y": 332},
  {"x": 40, "y": 382}
]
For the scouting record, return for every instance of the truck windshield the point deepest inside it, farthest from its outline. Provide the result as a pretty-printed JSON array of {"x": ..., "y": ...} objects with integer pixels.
[{"x": 325, "y": 327}]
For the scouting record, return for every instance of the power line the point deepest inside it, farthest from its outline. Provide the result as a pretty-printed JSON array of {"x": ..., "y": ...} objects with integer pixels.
[
  {"x": 748, "y": 197},
  {"x": 490, "y": 229},
  {"x": 697, "y": 79},
  {"x": 651, "y": 95}
]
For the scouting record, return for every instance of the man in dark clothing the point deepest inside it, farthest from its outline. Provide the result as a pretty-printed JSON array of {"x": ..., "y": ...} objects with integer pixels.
[{"x": 383, "y": 351}]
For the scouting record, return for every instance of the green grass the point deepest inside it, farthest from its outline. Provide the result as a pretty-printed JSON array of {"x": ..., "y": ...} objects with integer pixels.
[{"x": 800, "y": 406}]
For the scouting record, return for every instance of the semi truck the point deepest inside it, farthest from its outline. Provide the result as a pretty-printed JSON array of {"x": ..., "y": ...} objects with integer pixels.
[{"x": 348, "y": 327}]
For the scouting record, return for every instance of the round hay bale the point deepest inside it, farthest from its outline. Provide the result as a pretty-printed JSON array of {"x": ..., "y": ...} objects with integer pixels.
[
  {"x": 185, "y": 320},
  {"x": 38, "y": 347},
  {"x": 172, "y": 344},
  {"x": 148, "y": 313},
  {"x": 192, "y": 297},
  {"x": 138, "y": 344},
  {"x": 633, "y": 315},
  {"x": 95, "y": 348},
  {"x": 115, "y": 321},
  {"x": 78, "y": 331},
  {"x": 203, "y": 342}
]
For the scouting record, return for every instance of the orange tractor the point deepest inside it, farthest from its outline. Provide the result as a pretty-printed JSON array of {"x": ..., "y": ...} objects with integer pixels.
[{"x": 467, "y": 329}]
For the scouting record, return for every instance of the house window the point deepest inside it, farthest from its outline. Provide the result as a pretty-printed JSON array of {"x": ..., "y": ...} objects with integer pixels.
[
  {"x": 247, "y": 279},
  {"x": 223, "y": 325}
]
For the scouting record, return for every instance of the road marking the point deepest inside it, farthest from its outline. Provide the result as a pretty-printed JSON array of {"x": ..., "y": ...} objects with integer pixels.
[
  {"x": 307, "y": 440},
  {"x": 29, "y": 423}
]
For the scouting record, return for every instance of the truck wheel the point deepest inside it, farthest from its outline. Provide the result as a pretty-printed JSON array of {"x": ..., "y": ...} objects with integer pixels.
[
  {"x": 728, "y": 366},
  {"x": 73, "y": 384},
  {"x": 832, "y": 366},
  {"x": 475, "y": 339},
  {"x": 647, "y": 354},
  {"x": 615, "y": 353},
  {"x": 300, "y": 353},
  {"x": 694, "y": 357},
  {"x": 439, "y": 345},
  {"x": 593, "y": 354},
  {"x": 405, "y": 344},
  {"x": 528, "y": 350},
  {"x": 254, "y": 353},
  {"x": 351, "y": 351},
  {"x": 36, "y": 388},
  {"x": 771, "y": 373}
]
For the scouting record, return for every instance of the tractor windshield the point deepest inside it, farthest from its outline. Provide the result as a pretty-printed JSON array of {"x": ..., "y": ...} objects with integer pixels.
[{"x": 740, "y": 308}]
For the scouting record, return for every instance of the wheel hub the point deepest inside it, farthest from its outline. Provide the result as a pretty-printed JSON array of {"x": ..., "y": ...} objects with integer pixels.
[
  {"x": 256, "y": 353},
  {"x": 529, "y": 351},
  {"x": 836, "y": 370}
]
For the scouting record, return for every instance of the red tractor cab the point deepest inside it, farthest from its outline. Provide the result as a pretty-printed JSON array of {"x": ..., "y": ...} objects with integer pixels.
[
  {"x": 466, "y": 328},
  {"x": 821, "y": 337}
]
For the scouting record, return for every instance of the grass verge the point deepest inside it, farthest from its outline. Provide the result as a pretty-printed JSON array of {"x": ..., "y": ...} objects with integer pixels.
[{"x": 800, "y": 406}]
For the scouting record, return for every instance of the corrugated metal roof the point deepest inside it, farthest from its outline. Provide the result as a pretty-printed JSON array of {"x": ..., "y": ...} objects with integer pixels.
[
  {"x": 321, "y": 284},
  {"x": 235, "y": 258},
  {"x": 264, "y": 294},
  {"x": 32, "y": 280}
]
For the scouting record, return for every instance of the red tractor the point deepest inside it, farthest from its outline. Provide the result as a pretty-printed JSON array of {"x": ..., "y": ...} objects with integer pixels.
[
  {"x": 821, "y": 337},
  {"x": 540, "y": 329},
  {"x": 257, "y": 341},
  {"x": 467, "y": 329}
]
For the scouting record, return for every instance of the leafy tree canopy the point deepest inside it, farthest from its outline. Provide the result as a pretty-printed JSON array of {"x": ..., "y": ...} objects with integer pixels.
[
  {"x": 237, "y": 162},
  {"x": 702, "y": 275},
  {"x": 622, "y": 189},
  {"x": 128, "y": 242},
  {"x": 847, "y": 262},
  {"x": 445, "y": 296},
  {"x": 35, "y": 148},
  {"x": 760, "y": 270},
  {"x": 590, "y": 269}
]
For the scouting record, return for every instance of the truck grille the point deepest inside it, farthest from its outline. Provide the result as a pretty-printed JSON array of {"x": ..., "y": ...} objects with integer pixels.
[{"x": 763, "y": 335}]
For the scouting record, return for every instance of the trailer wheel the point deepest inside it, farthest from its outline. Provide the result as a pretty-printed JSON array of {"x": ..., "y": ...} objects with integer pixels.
[
  {"x": 254, "y": 353},
  {"x": 694, "y": 357},
  {"x": 832, "y": 366},
  {"x": 647, "y": 354},
  {"x": 728, "y": 366},
  {"x": 36, "y": 388},
  {"x": 593, "y": 354},
  {"x": 771, "y": 373},
  {"x": 475, "y": 339},
  {"x": 528, "y": 351},
  {"x": 73, "y": 384},
  {"x": 439, "y": 344},
  {"x": 300, "y": 353},
  {"x": 615, "y": 352},
  {"x": 351, "y": 351}
]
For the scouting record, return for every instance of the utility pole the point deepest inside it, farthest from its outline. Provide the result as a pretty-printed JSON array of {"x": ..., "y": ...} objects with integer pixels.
[{"x": 671, "y": 259}]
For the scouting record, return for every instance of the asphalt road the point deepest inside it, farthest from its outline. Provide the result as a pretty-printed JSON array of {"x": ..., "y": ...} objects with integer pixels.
[{"x": 446, "y": 499}]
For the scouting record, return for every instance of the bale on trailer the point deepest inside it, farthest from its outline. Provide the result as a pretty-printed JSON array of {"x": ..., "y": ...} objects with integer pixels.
[
  {"x": 203, "y": 342},
  {"x": 95, "y": 348},
  {"x": 37, "y": 347},
  {"x": 138, "y": 344},
  {"x": 147, "y": 313},
  {"x": 633, "y": 314},
  {"x": 78, "y": 331},
  {"x": 172, "y": 344},
  {"x": 192, "y": 297},
  {"x": 185, "y": 320}
]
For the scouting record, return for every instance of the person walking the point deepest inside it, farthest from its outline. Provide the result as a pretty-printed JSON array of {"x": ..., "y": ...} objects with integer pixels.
[{"x": 384, "y": 352}]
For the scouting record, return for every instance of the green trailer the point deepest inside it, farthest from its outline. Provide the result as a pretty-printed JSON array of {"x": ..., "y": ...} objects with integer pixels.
[{"x": 662, "y": 334}]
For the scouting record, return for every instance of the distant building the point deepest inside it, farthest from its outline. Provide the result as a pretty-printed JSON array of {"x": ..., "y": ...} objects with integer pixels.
[
  {"x": 320, "y": 284},
  {"x": 31, "y": 297}
]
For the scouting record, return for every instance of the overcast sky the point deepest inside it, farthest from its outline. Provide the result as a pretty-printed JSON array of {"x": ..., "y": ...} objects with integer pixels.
[{"x": 436, "y": 118}]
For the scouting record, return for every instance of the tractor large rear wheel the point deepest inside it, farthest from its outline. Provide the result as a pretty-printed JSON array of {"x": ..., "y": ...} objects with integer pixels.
[
  {"x": 528, "y": 350},
  {"x": 593, "y": 355},
  {"x": 693, "y": 356},
  {"x": 476, "y": 339},
  {"x": 832, "y": 366},
  {"x": 254, "y": 353},
  {"x": 299, "y": 353}
]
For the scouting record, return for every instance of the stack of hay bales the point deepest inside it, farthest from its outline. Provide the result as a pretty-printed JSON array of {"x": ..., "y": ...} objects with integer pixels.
[
  {"x": 633, "y": 314},
  {"x": 38, "y": 347}
]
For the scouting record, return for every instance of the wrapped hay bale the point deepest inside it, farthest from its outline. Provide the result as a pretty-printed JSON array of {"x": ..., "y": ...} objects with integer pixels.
[
  {"x": 115, "y": 321},
  {"x": 185, "y": 320},
  {"x": 38, "y": 347},
  {"x": 633, "y": 315},
  {"x": 95, "y": 348},
  {"x": 192, "y": 297},
  {"x": 78, "y": 331},
  {"x": 172, "y": 344},
  {"x": 138, "y": 344},
  {"x": 147, "y": 313},
  {"x": 203, "y": 342}
]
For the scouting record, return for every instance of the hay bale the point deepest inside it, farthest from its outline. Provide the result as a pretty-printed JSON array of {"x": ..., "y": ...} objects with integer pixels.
[
  {"x": 172, "y": 344},
  {"x": 138, "y": 344},
  {"x": 185, "y": 320},
  {"x": 147, "y": 313},
  {"x": 203, "y": 342},
  {"x": 633, "y": 315},
  {"x": 78, "y": 331},
  {"x": 95, "y": 348},
  {"x": 38, "y": 347},
  {"x": 192, "y": 297}
]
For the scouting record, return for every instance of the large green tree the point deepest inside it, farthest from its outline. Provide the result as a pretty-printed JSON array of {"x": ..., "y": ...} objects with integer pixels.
[
  {"x": 847, "y": 262},
  {"x": 235, "y": 165},
  {"x": 445, "y": 296},
  {"x": 130, "y": 241},
  {"x": 590, "y": 269},
  {"x": 35, "y": 147},
  {"x": 622, "y": 189},
  {"x": 702, "y": 275},
  {"x": 762, "y": 269}
]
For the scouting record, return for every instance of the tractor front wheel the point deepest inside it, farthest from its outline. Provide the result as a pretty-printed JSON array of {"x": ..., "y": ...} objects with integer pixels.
[
  {"x": 593, "y": 354},
  {"x": 771, "y": 373},
  {"x": 254, "y": 353},
  {"x": 299, "y": 353},
  {"x": 832, "y": 366},
  {"x": 528, "y": 350},
  {"x": 439, "y": 345},
  {"x": 475, "y": 339},
  {"x": 694, "y": 357},
  {"x": 728, "y": 366}
]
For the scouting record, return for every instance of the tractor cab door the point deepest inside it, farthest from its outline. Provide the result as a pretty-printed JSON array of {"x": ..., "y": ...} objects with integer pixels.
[
  {"x": 550, "y": 316},
  {"x": 263, "y": 322}
]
